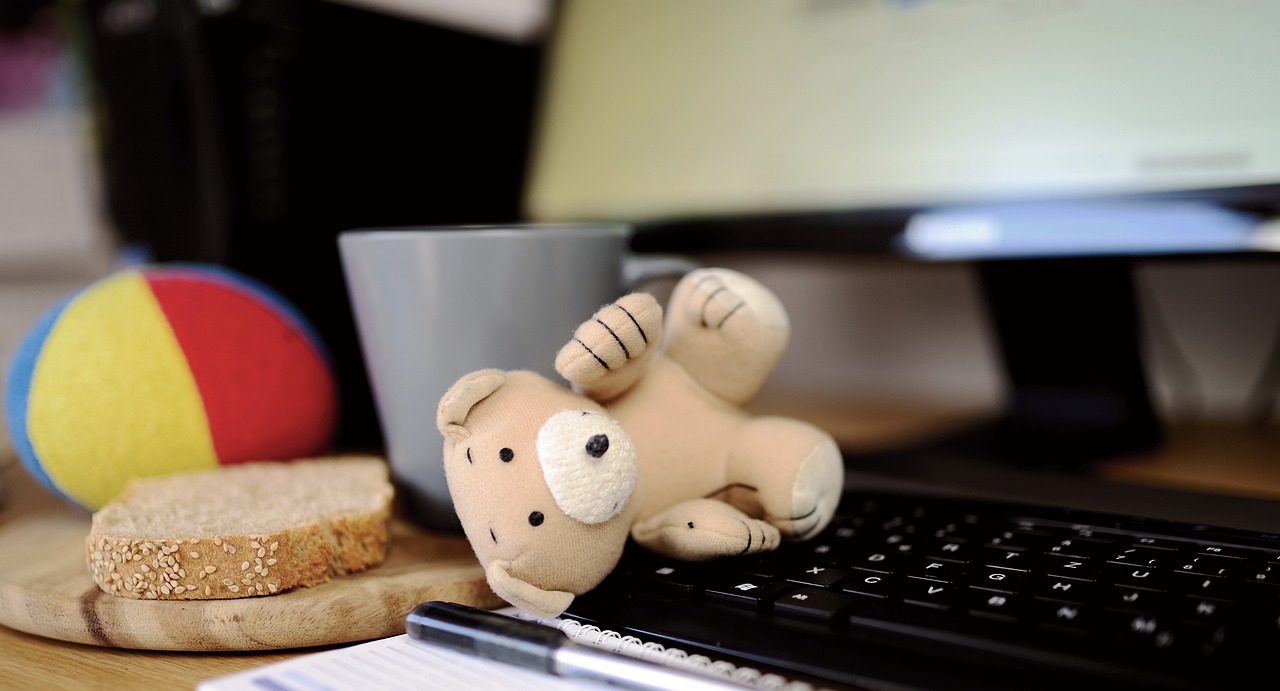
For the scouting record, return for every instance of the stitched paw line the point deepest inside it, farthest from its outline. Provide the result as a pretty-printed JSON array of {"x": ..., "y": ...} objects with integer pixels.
[
  {"x": 748, "y": 531},
  {"x": 730, "y": 313},
  {"x": 706, "y": 302},
  {"x": 592, "y": 353},
  {"x": 806, "y": 533},
  {"x": 616, "y": 340},
  {"x": 746, "y": 548},
  {"x": 803, "y": 525},
  {"x": 710, "y": 297},
  {"x": 626, "y": 353},
  {"x": 643, "y": 335}
]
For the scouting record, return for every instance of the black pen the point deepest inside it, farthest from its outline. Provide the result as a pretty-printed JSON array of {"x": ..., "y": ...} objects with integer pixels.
[{"x": 541, "y": 648}]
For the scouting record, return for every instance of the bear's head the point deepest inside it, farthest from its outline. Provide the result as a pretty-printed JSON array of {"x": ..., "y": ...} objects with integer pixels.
[{"x": 542, "y": 480}]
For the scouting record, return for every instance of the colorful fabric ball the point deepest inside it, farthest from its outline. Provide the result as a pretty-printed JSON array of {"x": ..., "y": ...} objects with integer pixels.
[{"x": 164, "y": 368}]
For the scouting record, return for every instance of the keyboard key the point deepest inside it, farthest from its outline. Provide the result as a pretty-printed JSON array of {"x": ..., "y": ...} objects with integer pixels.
[
  {"x": 1147, "y": 630},
  {"x": 967, "y": 633},
  {"x": 1132, "y": 599},
  {"x": 743, "y": 593},
  {"x": 961, "y": 531},
  {"x": 950, "y": 549},
  {"x": 1199, "y": 640},
  {"x": 824, "y": 551},
  {"x": 1266, "y": 574},
  {"x": 817, "y": 575},
  {"x": 1095, "y": 534},
  {"x": 1070, "y": 617},
  {"x": 936, "y": 569},
  {"x": 1144, "y": 557},
  {"x": 843, "y": 532},
  {"x": 1009, "y": 558},
  {"x": 674, "y": 577},
  {"x": 993, "y": 605},
  {"x": 1135, "y": 576},
  {"x": 1133, "y": 623},
  {"x": 1023, "y": 539},
  {"x": 894, "y": 524},
  {"x": 1067, "y": 567},
  {"x": 929, "y": 593},
  {"x": 1224, "y": 567},
  {"x": 766, "y": 565},
  {"x": 996, "y": 578},
  {"x": 813, "y": 604},
  {"x": 1206, "y": 586},
  {"x": 1062, "y": 589},
  {"x": 1228, "y": 552},
  {"x": 1079, "y": 547},
  {"x": 868, "y": 583},
  {"x": 1206, "y": 611},
  {"x": 1161, "y": 543},
  {"x": 899, "y": 543},
  {"x": 877, "y": 560}
]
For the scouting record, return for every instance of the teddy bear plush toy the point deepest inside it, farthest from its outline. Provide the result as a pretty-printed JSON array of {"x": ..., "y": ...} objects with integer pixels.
[{"x": 651, "y": 443}]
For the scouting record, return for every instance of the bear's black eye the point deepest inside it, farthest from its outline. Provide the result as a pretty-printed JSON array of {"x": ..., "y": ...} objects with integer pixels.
[
  {"x": 597, "y": 445},
  {"x": 536, "y": 518},
  {"x": 506, "y": 455}
]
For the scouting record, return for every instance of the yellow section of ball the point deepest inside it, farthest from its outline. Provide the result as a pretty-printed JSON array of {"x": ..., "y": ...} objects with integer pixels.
[{"x": 112, "y": 397}]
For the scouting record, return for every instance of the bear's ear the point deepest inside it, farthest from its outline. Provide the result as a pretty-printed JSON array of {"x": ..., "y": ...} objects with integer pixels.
[
  {"x": 458, "y": 401},
  {"x": 548, "y": 604}
]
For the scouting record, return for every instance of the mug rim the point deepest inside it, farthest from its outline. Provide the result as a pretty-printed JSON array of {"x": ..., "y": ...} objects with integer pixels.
[{"x": 489, "y": 229}]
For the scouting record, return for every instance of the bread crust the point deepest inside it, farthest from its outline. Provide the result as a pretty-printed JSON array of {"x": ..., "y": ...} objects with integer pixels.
[{"x": 219, "y": 566}]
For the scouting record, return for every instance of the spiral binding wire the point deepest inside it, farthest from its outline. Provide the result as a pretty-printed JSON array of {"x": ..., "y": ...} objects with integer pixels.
[{"x": 669, "y": 657}]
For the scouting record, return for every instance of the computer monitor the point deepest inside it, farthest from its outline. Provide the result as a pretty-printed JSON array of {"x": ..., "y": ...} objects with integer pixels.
[{"x": 1051, "y": 143}]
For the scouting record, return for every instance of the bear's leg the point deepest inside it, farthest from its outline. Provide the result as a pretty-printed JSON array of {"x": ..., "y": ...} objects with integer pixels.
[
  {"x": 702, "y": 529},
  {"x": 727, "y": 330},
  {"x": 791, "y": 473}
]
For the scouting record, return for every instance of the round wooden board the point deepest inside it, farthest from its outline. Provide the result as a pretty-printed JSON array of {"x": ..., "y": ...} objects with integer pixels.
[{"x": 46, "y": 589}]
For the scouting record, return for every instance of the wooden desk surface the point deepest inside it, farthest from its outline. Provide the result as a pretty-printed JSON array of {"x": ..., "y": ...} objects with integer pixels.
[
  {"x": 1229, "y": 459},
  {"x": 34, "y": 662}
]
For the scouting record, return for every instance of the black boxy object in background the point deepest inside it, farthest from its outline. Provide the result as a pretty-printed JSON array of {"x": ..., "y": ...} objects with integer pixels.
[{"x": 251, "y": 133}]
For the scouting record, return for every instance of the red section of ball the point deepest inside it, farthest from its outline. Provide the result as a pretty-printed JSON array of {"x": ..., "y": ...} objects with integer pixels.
[{"x": 268, "y": 393}]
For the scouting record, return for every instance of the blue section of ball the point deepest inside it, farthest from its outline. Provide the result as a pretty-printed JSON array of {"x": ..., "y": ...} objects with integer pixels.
[{"x": 18, "y": 392}]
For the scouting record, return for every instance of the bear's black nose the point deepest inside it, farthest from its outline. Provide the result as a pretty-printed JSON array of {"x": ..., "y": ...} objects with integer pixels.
[{"x": 597, "y": 445}]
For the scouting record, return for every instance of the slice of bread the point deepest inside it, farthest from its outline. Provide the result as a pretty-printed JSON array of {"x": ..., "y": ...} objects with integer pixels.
[{"x": 243, "y": 530}]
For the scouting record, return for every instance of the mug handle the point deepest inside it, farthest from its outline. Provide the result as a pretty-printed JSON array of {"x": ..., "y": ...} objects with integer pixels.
[{"x": 638, "y": 269}]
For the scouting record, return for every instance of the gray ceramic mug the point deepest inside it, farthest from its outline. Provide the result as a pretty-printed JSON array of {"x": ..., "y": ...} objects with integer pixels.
[{"x": 433, "y": 304}]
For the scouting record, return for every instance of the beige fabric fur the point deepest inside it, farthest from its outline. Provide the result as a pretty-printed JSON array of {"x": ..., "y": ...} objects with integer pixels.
[{"x": 710, "y": 480}]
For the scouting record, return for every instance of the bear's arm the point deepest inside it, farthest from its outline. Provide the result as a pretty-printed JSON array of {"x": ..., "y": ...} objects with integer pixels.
[
  {"x": 611, "y": 351},
  {"x": 702, "y": 529}
]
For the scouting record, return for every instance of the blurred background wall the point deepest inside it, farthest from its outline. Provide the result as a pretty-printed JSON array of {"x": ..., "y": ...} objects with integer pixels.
[{"x": 884, "y": 332}]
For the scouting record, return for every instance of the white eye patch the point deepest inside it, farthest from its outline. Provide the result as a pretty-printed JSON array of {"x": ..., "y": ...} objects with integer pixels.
[{"x": 589, "y": 463}]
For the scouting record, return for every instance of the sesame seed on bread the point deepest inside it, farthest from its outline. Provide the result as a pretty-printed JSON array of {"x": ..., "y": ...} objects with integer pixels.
[{"x": 243, "y": 530}]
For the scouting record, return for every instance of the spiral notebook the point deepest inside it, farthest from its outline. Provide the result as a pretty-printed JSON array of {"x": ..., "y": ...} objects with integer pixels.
[{"x": 399, "y": 662}]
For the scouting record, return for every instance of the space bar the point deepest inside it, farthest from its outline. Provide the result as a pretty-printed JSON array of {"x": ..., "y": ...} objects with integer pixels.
[{"x": 938, "y": 629}]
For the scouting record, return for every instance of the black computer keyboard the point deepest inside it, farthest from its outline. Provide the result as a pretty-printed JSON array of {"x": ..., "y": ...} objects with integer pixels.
[{"x": 937, "y": 593}]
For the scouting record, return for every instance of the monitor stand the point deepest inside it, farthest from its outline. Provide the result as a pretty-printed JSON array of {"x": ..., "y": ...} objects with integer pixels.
[{"x": 1076, "y": 391}]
